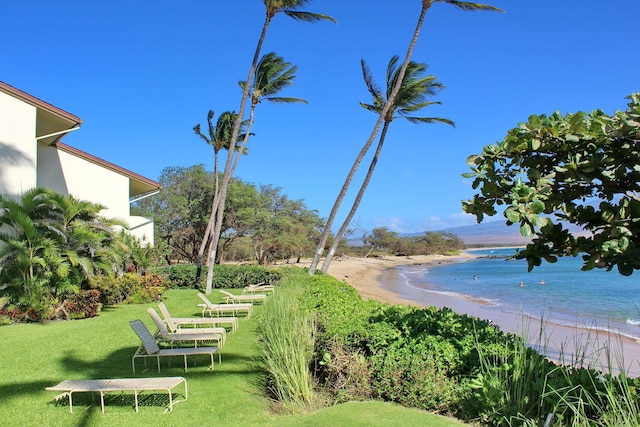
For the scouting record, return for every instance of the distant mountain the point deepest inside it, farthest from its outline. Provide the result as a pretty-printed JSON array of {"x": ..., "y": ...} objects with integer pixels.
[{"x": 494, "y": 233}]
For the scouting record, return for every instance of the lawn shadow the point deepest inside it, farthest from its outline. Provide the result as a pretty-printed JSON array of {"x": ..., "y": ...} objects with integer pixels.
[{"x": 116, "y": 365}]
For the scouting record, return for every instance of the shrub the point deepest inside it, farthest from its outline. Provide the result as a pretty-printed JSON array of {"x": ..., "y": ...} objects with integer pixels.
[
  {"x": 83, "y": 304},
  {"x": 225, "y": 277},
  {"x": 413, "y": 373},
  {"x": 344, "y": 373},
  {"x": 112, "y": 290}
]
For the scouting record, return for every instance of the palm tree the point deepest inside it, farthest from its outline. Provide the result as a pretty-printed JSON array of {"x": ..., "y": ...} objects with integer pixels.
[
  {"x": 414, "y": 94},
  {"x": 272, "y": 75},
  {"x": 91, "y": 243},
  {"x": 426, "y": 5},
  {"x": 219, "y": 138},
  {"x": 290, "y": 8}
]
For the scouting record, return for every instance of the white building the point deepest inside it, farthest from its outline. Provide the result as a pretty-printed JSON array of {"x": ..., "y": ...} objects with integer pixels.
[{"x": 31, "y": 155}]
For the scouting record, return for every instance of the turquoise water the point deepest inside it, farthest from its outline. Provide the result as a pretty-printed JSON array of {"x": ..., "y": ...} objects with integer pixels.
[{"x": 597, "y": 299}]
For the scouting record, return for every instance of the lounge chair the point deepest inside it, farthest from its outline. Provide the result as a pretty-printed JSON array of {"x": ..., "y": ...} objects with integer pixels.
[
  {"x": 212, "y": 309},
  {"x": 231, "y": 298},
  {"x": 163, "y": 333},
  {"x": 195, "y": 324},
  {"x": 260, "y": 288},
  {"x": 149, "y": 348},
  {"x": 136, "y": 385}
]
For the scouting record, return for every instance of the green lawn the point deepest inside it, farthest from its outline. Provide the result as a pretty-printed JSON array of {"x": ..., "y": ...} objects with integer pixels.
[{"x": 35, "y": 356}]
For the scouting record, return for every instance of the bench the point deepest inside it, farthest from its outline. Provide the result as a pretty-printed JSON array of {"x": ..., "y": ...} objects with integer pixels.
[{"x": 136, "y": 385}]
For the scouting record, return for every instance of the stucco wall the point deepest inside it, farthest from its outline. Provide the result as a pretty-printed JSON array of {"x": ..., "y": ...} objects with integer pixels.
[
  {"x": 17, "y": 146},
  {"x": 68, "y": 174},
  {"x": 142, "y": 227}
]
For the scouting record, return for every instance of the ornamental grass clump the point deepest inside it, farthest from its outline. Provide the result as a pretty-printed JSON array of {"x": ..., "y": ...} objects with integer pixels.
[{"x": 287, "y": 341}]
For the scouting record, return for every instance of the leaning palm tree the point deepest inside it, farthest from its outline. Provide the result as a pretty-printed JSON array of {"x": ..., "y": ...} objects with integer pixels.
[
  {"x": 219, "y": 138},
  {"x": 290, "y": 8},
  {"x": 426, "y": 5},
  {"x": 272, "y": 75},
  {"x": 415, "y": 93}
]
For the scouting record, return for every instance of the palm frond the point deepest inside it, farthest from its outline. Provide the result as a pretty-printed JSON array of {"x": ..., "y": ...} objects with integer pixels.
[
  {"x": 286, "y": 100},
  {"x": 308, "y": 16},
  {"x": 471, "y": 6},
  {"x": 372, "y": 87},
  {"x": 420, "y": 120}
]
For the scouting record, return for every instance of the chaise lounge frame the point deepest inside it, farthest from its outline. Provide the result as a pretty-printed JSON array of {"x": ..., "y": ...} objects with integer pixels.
[
  {"x": 149, "y": 348},
  {"x": 136, "y": 385}
]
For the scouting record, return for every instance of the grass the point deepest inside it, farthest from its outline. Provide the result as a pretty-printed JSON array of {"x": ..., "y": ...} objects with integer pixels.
[{"x": 35, "y": 356}]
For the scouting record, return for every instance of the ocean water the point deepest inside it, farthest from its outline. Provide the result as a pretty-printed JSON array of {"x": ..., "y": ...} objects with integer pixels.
[{"x": 596, "y": 299}]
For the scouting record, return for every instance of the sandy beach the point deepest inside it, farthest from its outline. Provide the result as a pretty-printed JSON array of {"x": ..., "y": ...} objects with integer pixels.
[{"x": 376, "y": 278}]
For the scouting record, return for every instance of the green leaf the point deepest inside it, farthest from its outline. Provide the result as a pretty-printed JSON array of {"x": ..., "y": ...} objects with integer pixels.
[
  {"x": 512, "y": 215},
  {"x": 526, "y": 230}
]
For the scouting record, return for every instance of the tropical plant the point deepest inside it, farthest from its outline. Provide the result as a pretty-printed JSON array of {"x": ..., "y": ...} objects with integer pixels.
[
  {"x": 291, "y": 8},
  {"x": 272, "y": 75},
  {"x": 581, "y": 169},
  {"x": 426, "y": 5},
  {"x": 219, "y": 138},
  {"x": 414, "y": 94},
  {"x": 50, "y": 245}
]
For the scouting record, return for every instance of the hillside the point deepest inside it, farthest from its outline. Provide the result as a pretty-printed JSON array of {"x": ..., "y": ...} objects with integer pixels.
[{"x": 494, "y": 233}]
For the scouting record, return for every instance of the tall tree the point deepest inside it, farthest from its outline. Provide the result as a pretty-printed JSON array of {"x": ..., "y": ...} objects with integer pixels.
[
  {"x": 181, "y": 210},
  {"x": 272, "y": 75},
  {"x": 219, "y": 138},
  {"x": 414, "y": 94},
  {"x": 580, "y": 169},
  {"x": 290, "y": 8},
  {"x": 426, "y": 5}
]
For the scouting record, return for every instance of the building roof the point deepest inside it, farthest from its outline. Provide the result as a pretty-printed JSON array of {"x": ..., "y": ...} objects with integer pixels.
[
  {"x": 138, "y": 184},
  {"x": 56, "y": 121}
]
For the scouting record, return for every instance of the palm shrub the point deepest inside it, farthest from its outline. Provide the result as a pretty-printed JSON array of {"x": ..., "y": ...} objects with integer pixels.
[{"x": 50, "y": 244}]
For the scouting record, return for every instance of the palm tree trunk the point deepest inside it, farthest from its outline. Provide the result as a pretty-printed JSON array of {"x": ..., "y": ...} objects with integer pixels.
[
  {"x": 214, "y": 205},
  {"x": 356, "y": 202},
  {"x": 226, "y": 177},
  {"x": 426, "y": 4}
]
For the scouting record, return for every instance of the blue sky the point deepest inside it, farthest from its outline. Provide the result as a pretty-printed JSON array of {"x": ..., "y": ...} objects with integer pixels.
[{"x": 141, "y": 74}]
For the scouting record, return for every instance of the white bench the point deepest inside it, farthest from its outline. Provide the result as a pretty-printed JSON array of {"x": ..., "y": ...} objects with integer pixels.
[{"x": 136, "y": 385}]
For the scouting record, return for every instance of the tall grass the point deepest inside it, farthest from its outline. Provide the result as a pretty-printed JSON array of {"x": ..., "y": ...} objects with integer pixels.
[
  {"x": 287, "y": 340},
  {"x": 520, "y": 387}
]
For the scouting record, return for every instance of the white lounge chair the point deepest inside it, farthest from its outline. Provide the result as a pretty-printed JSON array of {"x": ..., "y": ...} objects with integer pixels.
[
  {"x": 149, "y": 348},
  {"x": 260, "y": 288},
  {"x": 231, "y": 298},
  {"x": 212, "y": 309},
  {"x": 194, "y": 324},
  {"x": 193, "y": 337},
  {"x": 136, "y": 385}
]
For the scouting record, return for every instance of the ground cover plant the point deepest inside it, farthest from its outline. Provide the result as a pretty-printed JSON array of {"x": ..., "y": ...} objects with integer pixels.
[
  {"x": 38, "y": 355},
  {"x": 439, "y": 360}
]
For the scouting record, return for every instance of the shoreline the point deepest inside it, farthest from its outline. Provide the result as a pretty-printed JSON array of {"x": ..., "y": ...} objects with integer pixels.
[{"x": 378, "y": 278}]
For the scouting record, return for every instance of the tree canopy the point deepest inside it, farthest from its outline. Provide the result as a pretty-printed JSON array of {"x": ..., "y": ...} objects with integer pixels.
[
  {"x": 259, "y": 222},
  {"x": 581, "y": 169}
]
